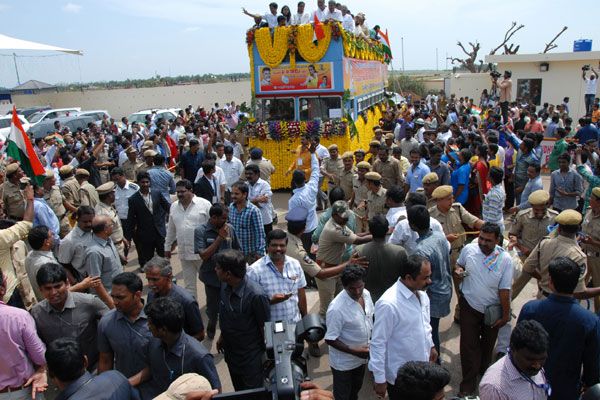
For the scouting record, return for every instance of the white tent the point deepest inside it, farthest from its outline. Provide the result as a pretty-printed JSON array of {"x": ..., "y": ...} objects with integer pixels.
[{"x": 10, "y": 43}]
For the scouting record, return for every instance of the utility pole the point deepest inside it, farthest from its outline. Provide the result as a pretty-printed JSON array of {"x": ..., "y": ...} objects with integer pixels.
[
  {"x": 436, "y": 60},
  {"x": 446, "y": 61},
  {"x": 402, "y": 46},
  {"x": 16, "y": 68}
]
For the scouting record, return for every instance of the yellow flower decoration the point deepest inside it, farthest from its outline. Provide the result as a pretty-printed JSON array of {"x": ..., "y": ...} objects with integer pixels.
[
  {"x": 306, "y": 47},
  {"x": 251, "y": 57},
  {"x": 272, "y": 51}
]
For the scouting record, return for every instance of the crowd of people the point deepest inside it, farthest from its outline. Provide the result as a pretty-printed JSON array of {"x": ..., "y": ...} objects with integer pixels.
[{"x": 445, "y": 200}]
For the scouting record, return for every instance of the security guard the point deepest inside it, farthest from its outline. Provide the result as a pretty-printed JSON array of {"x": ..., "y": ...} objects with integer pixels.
[
  {"x": 591, "y": 240},
  {"x": 106, "y": 193},
  {"x": 347, "y": 174},
  {"x": 373, "y": 151},
  {"x": 87, "y": 193},
  {"x": 131, "y": 165},
  {"x": 389, "y": 140},
  {"x": 389, "y": 168},
  {"x": 430, "y": 182},
  {"x": 103, "y": 164},
  {"x": 564, "y": 244},
  {"x": 531, "y": 224},
  {"x": 375, "y": 195},
  {"x": 149, "y": 157},
  {"x": 358, "y": 200},
  {"x": 70, "y": 187},
  {"x": 332, "y": 167},
  {"x": 14, "y": 203},
  {"x": 359, "y": 155},
  {"x": 452, "y": 216},
  {"x": 57, "y": 202}
]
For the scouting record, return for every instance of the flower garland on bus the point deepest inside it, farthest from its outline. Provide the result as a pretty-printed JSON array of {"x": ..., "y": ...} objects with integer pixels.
[
  {"x": 363, "y": 49},
  {"x": 272, "y": 51},
  {"x": 306, "y": 46},
  {"x": 281, "y": 130}
]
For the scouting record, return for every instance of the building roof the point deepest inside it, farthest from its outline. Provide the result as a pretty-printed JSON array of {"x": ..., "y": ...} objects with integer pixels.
[
  {"x": 33, "y": 85},
  {"x": 547, "y": 57}
]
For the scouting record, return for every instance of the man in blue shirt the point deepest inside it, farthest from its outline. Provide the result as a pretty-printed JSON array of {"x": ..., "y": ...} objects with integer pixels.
[
  {"x": 67, "y": 366},
  {"x": 416, "y": 172},
  {"x": 191, "y": 161},
  {"x": 574, "y": 333},
  {"x": 162, "y": 180},
  {"x": 587, "y": 131},
  {"x": 534, "y": 183},
  {"x": 460, "y": 177},
  {"x": 43, "y": 214}
]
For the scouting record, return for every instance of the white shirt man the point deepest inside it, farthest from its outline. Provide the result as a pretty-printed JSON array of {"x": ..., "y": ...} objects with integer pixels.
[
  {"x": 262, "y": 188},
  {"x": 122, "y": 195},
  {"x": 320, "y": 14},
  {"x": 402, "y": 331},
  {"x": 335, "y": 15},
  {"x": 591, "y": 85},
  {"x": 181, "y": 226},
  {"x": 407, "y": 238},
  {"x": 348, "y": 23},
  {"x": 220, "y": 180},
  {"x": 301, "y": 19},
  {"x": 232, "y": 170}
]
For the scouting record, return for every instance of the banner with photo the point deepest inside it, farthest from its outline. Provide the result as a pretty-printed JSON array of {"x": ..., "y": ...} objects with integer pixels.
[{"x": 314, "y": 77}]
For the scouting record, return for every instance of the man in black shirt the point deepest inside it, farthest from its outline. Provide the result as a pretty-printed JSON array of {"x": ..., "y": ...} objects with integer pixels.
[{"x": 243, "y": 310}]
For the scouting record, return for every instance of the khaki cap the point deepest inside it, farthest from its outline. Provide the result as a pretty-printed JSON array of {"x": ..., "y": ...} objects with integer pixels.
[
  {"x": 49, "y": 138},
  {"x": 373, "y": 176},
  {"x": 106, "y": 188},
  {"x": 49, "y": 174},
  {"x": 375, "y": 143},
  {"x": 347, "y": 154},
  {"x": 148, "y": 143},
  {"x": 361, "y": 151},
  {"x": 25, "y": 180},
  {"x": 332, "y": 147},
  {"x": 364, "y": 164},
  {"x": 130, "y": 150},
  {"x": 569, "y": 217},
  {"x": 183, "y": 385},
  {"x": 12, "y": 168},
  {"x": 150, "y": 153},
  {"x": 377, "y": 129},
  {"x": 538, "y": 198},
  {"x": 81, "y": 172},
  {"x": 441, "y": 192},
  {"x": 595, "y": 192},
  {"x": 65, "y": 169},
  {"x": 389, "y": 136},
  {"x": 431, "y": 177}
]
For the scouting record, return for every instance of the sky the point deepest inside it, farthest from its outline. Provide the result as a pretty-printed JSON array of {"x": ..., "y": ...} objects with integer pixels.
[{"x": 124, "y": 39}]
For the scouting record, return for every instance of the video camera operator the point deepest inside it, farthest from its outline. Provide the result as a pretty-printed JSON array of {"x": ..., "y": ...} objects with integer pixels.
[
  {"x": 505, "y": 87},
  {"x": 591, "y": 85}
]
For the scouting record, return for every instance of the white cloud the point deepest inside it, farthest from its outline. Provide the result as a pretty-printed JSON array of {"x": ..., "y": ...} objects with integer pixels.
[
  {"x": 72, "y": 8},
  {"x": 4, "y": 7}
]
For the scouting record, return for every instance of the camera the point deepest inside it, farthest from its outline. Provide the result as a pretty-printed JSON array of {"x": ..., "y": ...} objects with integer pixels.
[
  {"x": 285, "y": 367},
  {"x": 586, "y": 67},
  {"x": 572, "y": 146},
  {"x": 495, "y": 74}
]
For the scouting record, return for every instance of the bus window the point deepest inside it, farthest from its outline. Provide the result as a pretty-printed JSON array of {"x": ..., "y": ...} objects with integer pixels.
[
  {"x": 275, "y": 109},
  {"x": 318, "y": 107}
]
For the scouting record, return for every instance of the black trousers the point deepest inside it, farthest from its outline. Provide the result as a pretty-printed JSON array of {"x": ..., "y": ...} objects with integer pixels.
[
  {"x": 509, "y": 188},
  {"x": 213, "y": 295},
  {"x": 504, "y": 110},
  {"x": 252, "y": 378},
  {"x": 148, "y": 246},
  {"x": 347, "y": 384}
]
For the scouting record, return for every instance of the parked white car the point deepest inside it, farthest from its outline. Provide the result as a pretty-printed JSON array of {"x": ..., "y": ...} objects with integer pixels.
[
  {"x": 96, "y": 114},
  {"x": 166, "y": 113},
  {"x": 53, "y": 114},
  {"x": 5, "y": 122}
]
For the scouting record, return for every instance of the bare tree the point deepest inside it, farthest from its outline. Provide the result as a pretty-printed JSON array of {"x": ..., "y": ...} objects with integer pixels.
[
  {"x": 510, "y": 50},
  {"x": 509, "y": 33},
  {"x": 468, "y": 62},
  {"x": 551, "y": 45}
]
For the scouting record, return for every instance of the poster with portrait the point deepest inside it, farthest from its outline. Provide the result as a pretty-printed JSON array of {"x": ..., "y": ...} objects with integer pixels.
[{"x": 314, "y": 77}]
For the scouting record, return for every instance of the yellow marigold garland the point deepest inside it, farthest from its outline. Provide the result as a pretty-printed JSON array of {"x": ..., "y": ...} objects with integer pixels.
[
  {"x": 251, "y": 57},
  {"x": 272, "y": 52},
  {"x": 306, "y": 47}
]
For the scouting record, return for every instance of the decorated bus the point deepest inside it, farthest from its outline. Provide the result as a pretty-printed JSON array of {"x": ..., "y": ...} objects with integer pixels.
[{"x": 315, "y": 79}]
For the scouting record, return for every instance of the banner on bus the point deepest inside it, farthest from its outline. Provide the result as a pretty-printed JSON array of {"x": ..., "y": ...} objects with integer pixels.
[
  {"x": 314, "y": 77},
  {"x": 364, "y": 77}
]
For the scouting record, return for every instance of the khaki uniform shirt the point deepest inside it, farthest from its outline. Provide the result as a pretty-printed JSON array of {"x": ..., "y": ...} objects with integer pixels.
[
  {"x": 130, "y": 170},
  {"x": 14, "y": 202},
  {"x": 360, "y": 190},
  {"x": 104, "y": 209},
  {"x": 55, "y": 199},
  {"x": 452, "y": 222},
  {"x": 547, "y": 250},
  {"x": 390, "y": 171},
  {"x": 591, "y": 227},
  {"x": 346, "y": 182},
  {"x": 70, "y": 189},
  {"x": 143, "y": 168},
  {"x": 8, "y": 238},
  {"x": 335, "y": 168},
  {"x": 296, "y": 251},
  {"x": 376, "y": 203},
  {"x": 88, "y": 195},
  {"x": 333, "y": 241},
  {"x": 404, "y": 165},
  {"x": 266, "y": 169},
  {"x": 431, "y": 203},
  {"x": 530, "y": 230}
]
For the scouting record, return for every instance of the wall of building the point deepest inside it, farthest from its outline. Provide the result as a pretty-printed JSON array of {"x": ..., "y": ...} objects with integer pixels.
[
  {"x": 121, "y": 102},
  {"x": 469, "y": 85},
  {"x": 563, "y": 79}
]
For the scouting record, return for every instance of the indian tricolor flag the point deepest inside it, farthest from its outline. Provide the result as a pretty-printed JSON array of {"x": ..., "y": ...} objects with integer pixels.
[
  {"x": 385, "y": 41},
  {"x": 18, "y": 146}
]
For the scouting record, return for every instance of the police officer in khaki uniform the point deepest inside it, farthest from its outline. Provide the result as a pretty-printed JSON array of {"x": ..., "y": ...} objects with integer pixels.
[
  {"x": 87, "y": 192},
  {"x": 389, "y": 168},
  {"x": 70, "y": 187},
  {"x": 563, "y": 245},
  {"x": 14, "y": 203},
  {"x": 430, "y": 182},
  {"x": 531, "y": 224},
  {"x": 452, "y": 216},
  {"x": 375, "y": 196},
  {"x": 103, "y": 164},
  {"x": 347, "y": 174},
  {"x": 373, "y": 151},
  {"x": 332, "y": 167},
  {"x": 131, "y": 165},
  {"x": 358, "y": 200},
  {"x": 389, "y": 140},
  {"x": 359, "y": 155},
  {"x": 149, "y": 158},
  {"x": 57, "y": 202},
  {"x": 106, "y": 193},
  {"x": 591, "y": 240}
]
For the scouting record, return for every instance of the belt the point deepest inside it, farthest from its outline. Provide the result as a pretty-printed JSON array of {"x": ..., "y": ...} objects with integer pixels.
[
  {"x": 103, "y": 168},
  {"x": 593, "y": 253},
  {"x": 9, "y": 389},
  {"x": 323, "y": 264}
]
